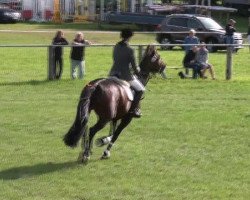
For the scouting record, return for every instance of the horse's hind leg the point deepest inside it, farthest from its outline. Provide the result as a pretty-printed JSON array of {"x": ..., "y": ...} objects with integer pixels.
[
  {"x": 106, "y": 139},
  {"x": 89, "y": 138},
  {"x": 113, "y": 126},
  {"x": 124, "y": 122}
]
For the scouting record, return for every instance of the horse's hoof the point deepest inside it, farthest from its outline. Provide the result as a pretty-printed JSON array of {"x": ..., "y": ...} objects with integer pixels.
[
  {"x": 105, "y": 155},
  {"x": 101, "y": 141},
  {"x": 83, "y": 159}
]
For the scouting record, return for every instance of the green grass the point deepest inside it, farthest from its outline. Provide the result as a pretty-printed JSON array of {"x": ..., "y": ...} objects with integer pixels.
[{"x": 191, "y": 143}]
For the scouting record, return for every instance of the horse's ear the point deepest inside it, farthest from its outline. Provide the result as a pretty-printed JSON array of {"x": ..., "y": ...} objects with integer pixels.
[
  {"x": 150, "y": 49},
  {"x": 153, "y": 47}
]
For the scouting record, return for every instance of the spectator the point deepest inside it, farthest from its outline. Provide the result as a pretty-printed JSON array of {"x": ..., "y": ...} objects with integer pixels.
[
  {"x": 191, "y": 39},
  {"x": 78, "y": 55},
  {"x": 202, "y": 61},
  {"x": 190, "y": 62},
  {"x": 58, "y": 52},
  {"x": 123, "y": 61},
  {"x": 230, "y": 29}
]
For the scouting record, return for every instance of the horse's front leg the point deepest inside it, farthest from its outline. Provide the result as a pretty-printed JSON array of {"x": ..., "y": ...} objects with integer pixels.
[
  {"x": 88, "y": 140},
  {"x": 124, "y": 122},
  {"x": 102, "y": 141}
]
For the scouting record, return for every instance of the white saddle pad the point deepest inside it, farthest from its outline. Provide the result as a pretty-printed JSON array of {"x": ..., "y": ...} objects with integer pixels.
[{"x": 129, "y": 93}]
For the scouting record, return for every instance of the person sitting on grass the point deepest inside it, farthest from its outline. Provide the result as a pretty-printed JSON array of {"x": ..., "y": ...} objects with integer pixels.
[
  {"x": 189, "y": 61},
  {"x": 202, "y": 61}
]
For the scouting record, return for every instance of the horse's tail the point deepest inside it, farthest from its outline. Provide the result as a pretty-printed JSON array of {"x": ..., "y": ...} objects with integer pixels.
[{"x": 83, "y": 110}]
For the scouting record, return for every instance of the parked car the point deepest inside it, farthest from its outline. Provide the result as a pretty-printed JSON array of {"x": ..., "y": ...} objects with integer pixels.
[
  {"x": 208, "y": 31},
  {"x": 9, "y": 15}
]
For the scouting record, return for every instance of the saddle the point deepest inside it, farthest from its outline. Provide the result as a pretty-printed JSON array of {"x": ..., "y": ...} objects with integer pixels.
[{"x": 125, "y": 85}]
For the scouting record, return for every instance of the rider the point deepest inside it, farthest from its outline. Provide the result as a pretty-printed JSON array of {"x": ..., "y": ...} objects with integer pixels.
[{"x": 123, "y": 60}]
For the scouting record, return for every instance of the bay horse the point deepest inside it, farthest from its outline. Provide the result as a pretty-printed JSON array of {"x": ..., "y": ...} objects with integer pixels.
[{"x": 110, "y": 100}]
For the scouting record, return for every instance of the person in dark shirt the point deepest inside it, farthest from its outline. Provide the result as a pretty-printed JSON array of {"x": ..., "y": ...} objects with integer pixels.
[
  {"x": 190, "y": 62},
  {"x": 58, "y": 52},
  {"x": 123, "y": 61},
  {"x": 78, "y": 55},
  {"x": 230, "y": 29}
]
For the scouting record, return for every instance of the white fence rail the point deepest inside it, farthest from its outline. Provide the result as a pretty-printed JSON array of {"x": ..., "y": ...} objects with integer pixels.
[{"x": 139, "y": 47}]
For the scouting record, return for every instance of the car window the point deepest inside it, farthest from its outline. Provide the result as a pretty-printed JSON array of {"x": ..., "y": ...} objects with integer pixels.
[
  {"x": 178, "y": 22},
  {"x": 194, "y": 24},
  {"x": 210, "y": 23}
]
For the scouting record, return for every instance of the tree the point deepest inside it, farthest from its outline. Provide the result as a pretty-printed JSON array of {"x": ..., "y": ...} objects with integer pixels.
[
  {"x": 166, "y": 1},
  {"x": 213, "y": 2}
]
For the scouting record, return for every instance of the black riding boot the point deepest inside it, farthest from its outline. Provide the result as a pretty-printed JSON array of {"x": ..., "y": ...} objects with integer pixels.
[{"x": 134, "y": 109}]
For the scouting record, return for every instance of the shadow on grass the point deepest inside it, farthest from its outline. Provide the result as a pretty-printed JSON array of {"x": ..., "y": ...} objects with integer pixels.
[
  {"x": 32, "y": 82},
  {"x": 35, "y": 170},
  {"x": 19, "y": 83}
]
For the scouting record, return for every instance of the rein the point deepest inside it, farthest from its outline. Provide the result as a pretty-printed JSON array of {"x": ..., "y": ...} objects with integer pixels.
[
  {"x": 144, "y": 78},
  {"x": 147, "y": 72}
]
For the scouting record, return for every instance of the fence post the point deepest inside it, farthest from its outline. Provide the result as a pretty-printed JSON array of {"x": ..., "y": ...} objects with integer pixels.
[
  {"x": 140, "y": 52},
  {"x": 51, "y": 68},
  {"x": 229, "y": 63}
]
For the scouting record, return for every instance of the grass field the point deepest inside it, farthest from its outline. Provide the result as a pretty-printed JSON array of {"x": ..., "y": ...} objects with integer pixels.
[{"x": 191, "y": 143}]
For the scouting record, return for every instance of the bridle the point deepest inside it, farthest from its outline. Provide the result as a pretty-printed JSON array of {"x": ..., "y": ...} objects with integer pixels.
[{"x": 151, "y": 64}]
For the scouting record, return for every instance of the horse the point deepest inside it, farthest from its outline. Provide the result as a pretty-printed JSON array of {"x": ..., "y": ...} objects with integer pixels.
[{"x": 110, "y": 99}]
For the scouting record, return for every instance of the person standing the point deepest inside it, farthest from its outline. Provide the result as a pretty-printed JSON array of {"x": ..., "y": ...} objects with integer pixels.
[
  {"x": 59, "y": 39},
  {"x": 191, "y": 40},
  {"x": 230, "y": 29},
  {"x": 123, "y": 61},
  {"x": 78, "y": 55}
]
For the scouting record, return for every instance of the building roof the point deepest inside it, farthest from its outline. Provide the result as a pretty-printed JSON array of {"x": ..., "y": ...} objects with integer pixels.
[{"x": 175, "y": 8}]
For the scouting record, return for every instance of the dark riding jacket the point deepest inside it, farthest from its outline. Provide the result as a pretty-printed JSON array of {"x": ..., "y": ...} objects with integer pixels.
[
  {"x": 123, "y": 61},
  {"x": 58, "y": 50}
]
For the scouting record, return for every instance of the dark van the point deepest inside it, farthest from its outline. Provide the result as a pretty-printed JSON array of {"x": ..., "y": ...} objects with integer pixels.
[{"x": 208, "y": 31}]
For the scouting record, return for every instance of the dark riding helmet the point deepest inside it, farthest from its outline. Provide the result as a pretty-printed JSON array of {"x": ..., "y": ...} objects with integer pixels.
[{"x": 126, "y": 33}]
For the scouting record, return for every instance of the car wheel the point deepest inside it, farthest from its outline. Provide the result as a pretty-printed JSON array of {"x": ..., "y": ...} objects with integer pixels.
[
  {"x": 166, "y": 41},
  {"x": 212, "y": 48}
]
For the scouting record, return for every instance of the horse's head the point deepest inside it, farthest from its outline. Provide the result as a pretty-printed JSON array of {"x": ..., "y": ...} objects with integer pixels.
[{"x": 151, "y": 61}]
